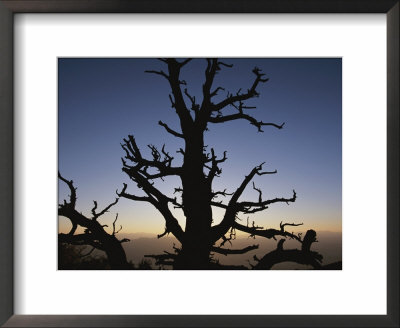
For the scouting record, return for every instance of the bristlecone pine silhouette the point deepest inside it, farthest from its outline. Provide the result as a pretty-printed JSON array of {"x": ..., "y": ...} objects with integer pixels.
[
  {"x": 94, "y": 234},
  {"x": 200, "y": 238}
]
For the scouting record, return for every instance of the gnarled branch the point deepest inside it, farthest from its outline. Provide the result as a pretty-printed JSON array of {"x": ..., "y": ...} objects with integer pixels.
[
  {"x": 157, "y": 199},
  {"x": 169, "y": 130},
  {"x": 252, "y": 92},
  {"x": 124, "y": 194},
  {"x": 227, "y": 251},
  {"x": 141, "y": 165},
  {"x": 252, "y": 207},
  {"x": 105, "y": 210},
  {"x": 304, "y": 256},
  {"x": 72, "y": 197},
  {"x": 214, "y": 170},
  {"x": 162, "y": 73},
  {"x": 233, "y": 206},
  {"x": 237, "y": 116},
  {"x": 266, "y": 233}
]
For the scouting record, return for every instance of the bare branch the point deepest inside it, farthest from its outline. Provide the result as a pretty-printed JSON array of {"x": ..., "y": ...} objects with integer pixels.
[
  {"x": 215, "y": 92},
  {"x": 282, "y": 226},
  {"x": 195, "y": 107},
  {"x": 158, "y": 199},
  {"x": 174, "y": 68},
  {"x": 255, "y": 171},
  {"x": 233, "y": 206},
  {"x": 214, "y": 170},
  {"x": 218, "y": 204},
  {"x": 73, "y": 229},
  {"x": 183, "y": 63},
  {"x": 177, "y": 101},
  {"x": 94, "y": 208},
  {"x": 68, "y": 210},
  {"x": 267, "y": 233},
  {"x": 237, "y": 101},
  {"x": 232, "y": 236},
  {"x": 124, "y": 194},
  {"x": 220, "y": 193},
  {"x": 304, "y": 256},
  {"x": 169, "y": 130},
  {"x": 280, "y": 244},
  {"x": 172, "y": 101},
  {"x": 72, "y": 197},
  {"x": 97, "y": 215},
  {"x": 166, "y": 232},
  {"x": 259, "y": 193},
  {"x": 252, "y": 120},
  {"x": 212, "y": 67},
  {"x": 220, "y": 63},
  {"x": 251, "y": 207},
  {"x": 249, "y": 94},
  {"x": 162, "y": 73},
  {"x": 141, "y": 165},
  {"x": 116, "y": 231},
  {"x": 226, "y": 251}
]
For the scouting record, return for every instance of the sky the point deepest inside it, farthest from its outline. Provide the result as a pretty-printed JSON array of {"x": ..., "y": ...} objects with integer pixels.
[{"x": 103, "y": 100}]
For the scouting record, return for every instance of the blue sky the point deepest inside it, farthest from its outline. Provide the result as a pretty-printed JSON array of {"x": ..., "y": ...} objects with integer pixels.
[{"x": 103, "y": 100}]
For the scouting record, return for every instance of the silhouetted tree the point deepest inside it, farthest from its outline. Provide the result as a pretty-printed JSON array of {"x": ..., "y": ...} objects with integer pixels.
[
  {"x": 94, "y": 234},
  {"x": 200, "y": 238}
]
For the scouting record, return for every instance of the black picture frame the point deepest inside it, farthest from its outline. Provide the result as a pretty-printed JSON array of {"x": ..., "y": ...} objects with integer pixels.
[{"x": 10, "y": 7}]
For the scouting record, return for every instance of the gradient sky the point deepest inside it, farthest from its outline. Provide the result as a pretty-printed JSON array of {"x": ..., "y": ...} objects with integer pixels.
[{"x": 101, "y": 101}]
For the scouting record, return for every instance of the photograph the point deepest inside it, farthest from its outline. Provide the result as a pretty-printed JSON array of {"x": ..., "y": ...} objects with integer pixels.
[
  {"x": 199, "y": 163},
  {"x": 212, "y": 138}
]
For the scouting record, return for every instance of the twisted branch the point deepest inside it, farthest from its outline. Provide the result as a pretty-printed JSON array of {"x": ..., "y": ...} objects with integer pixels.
[{"x": 226, "y": 251}]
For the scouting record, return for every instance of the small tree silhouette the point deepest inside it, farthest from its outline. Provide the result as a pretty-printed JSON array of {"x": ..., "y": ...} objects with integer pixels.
[
  {"x": 94, "y": 234},
  {"x": 200, "y": 238}
]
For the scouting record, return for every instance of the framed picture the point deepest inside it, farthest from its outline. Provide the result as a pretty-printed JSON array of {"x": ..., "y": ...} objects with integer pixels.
[
  {"x": 76, "y": 87},
  {"x": 250, "y": 236}
]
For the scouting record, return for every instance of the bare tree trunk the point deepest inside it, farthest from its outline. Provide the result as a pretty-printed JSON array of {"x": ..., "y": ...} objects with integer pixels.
[
  {"x": 115, "y": 254},
  {"x": 196, "y": 246},
  {"x": 193, "y": 256}
]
